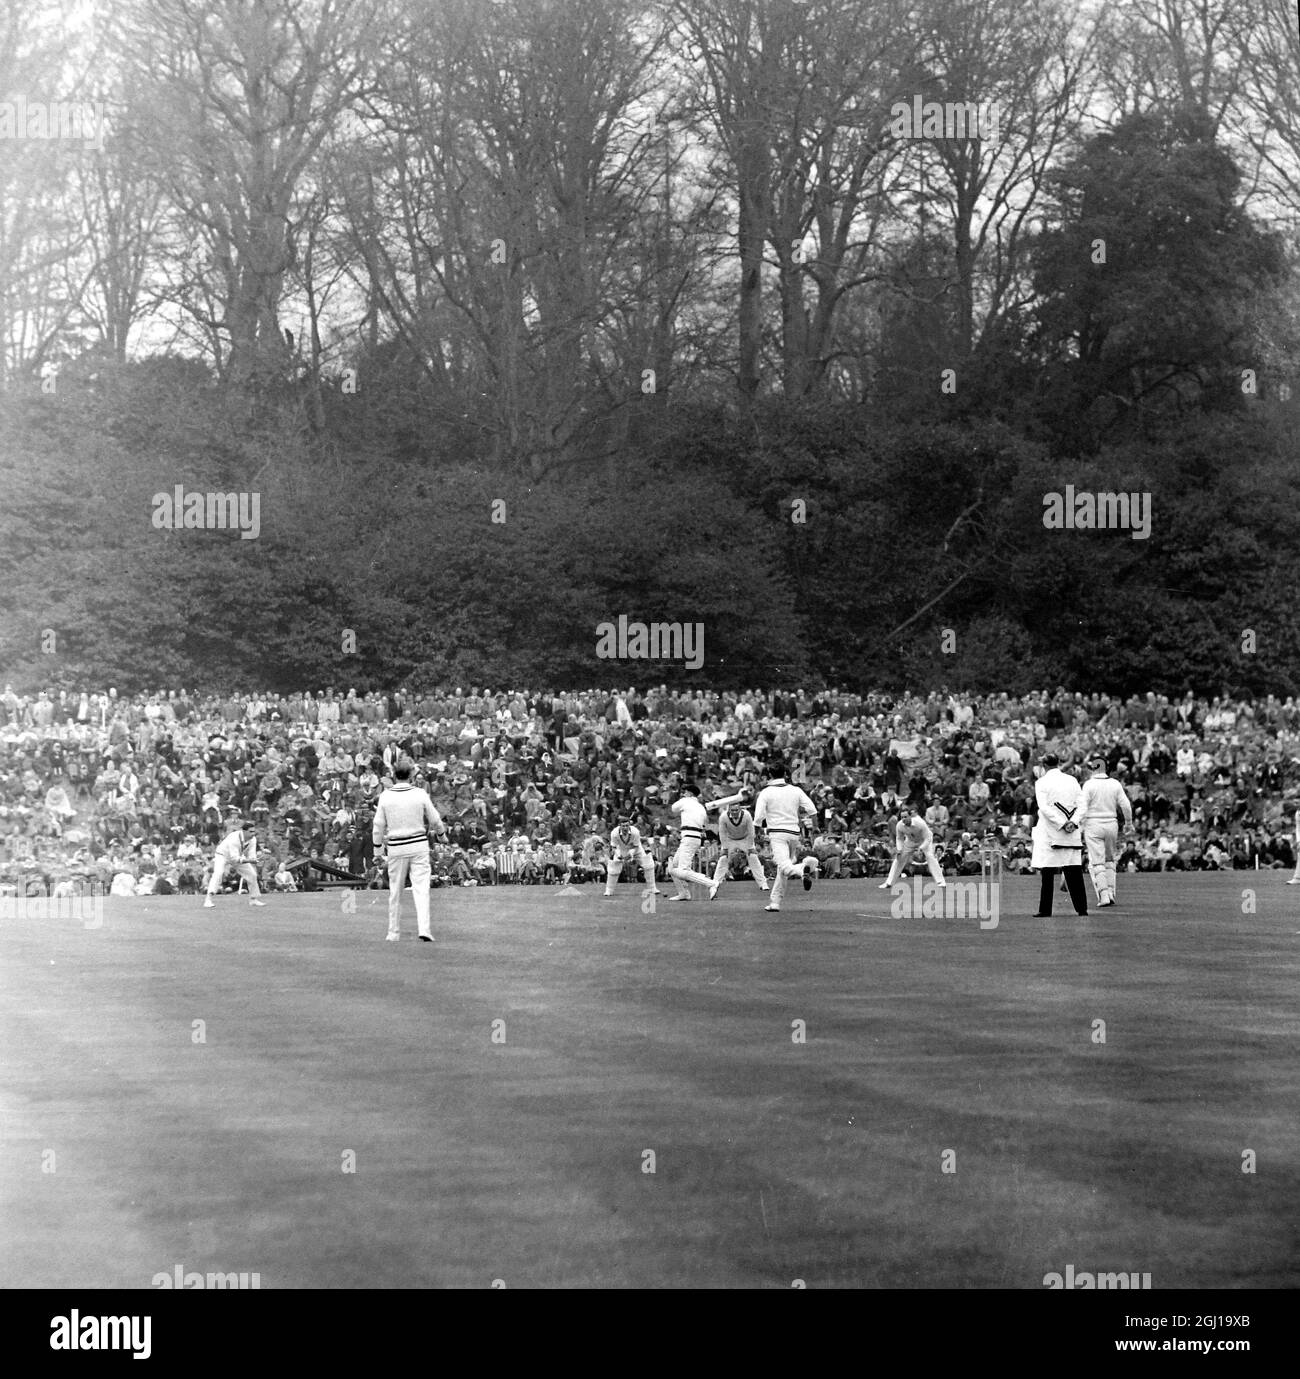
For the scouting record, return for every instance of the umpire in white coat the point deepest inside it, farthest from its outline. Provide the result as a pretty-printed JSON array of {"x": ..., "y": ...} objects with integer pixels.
[
  {"x": 1058, "y": 836},
  {"x": 404, "y": 819}
]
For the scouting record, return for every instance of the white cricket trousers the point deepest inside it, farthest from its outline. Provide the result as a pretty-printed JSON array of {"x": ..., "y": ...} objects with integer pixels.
[
  {"x": 755, "y": 866},
  {"x": 412, "y": 861},
  {"x": 1102, "y": 843},
  {"x": 682, "y": 867},
  {"x": 246, "y": 869},
  {"x": 783, "y": 846},
  {"x": 904, "y": 857}
]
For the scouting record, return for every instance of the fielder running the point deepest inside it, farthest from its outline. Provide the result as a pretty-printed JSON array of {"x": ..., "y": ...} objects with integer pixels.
[
  {"x": 694, "y": 816},
  {"x": 238, "y": 850},
  {"x": 404, "y": 818},
  {"x": 625, "y": 842},
  {"x": 913, "y": 839},
  {"x": 1104, "y": 801},
  {"x": 736, "y": 834},
  {"x": 781, "y": 809}
]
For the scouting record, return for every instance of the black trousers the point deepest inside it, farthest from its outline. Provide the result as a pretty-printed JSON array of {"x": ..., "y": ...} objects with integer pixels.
[{"x": 1074, "y": 883}]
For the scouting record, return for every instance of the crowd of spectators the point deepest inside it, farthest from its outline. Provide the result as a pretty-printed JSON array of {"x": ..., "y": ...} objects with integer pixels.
[{"x": 130, "y": 793}]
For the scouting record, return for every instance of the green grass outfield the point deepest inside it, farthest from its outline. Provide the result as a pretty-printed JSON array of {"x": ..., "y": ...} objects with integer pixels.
[{"x": 774, "y": 1161}]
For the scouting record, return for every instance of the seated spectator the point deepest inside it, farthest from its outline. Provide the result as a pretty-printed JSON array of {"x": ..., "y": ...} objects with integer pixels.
[
  {"x": 166, "y": 883},
  {"x": 828, "y": 850},
  {"x": 1167, "y": 852},
  {"x": 530, "y": 872},
  {"x": 485, "y": 868}
]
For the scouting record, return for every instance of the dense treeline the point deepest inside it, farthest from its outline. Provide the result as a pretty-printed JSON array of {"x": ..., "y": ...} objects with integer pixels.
[
  {"x": 814, "y": 545},
  {"x": 521, "y": 318}
]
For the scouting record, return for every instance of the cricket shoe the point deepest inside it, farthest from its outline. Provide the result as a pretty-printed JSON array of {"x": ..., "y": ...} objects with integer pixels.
[
  {"x": 257, "y": 902},
  {"x": 713, "y": 890},
  {"x": 809, "y": 871},
  {"x": 772, "y": 909},
  {"x": 392, "y": 938},
  {"x": 1294, "y": 881},
  {"x": 209, "y": 905},
  {"x": 426, "y": 938},
  {"x": 679, "y": 897},
  {"x": 884, "y": 885}
]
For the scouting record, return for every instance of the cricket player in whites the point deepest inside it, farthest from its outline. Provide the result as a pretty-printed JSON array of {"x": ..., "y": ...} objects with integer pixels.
[
  {"x": 237, "y": 849},
  {"x": 625, "y": 842},
  {"x": 736, "y": 834},
  {"x": 1104, "y": 801},
  {"x": 781, "y": 809},
  {"x": 1295, "y": 880},
  {"x": 404, "y": 818},
  {"x": 694, "y": 816},
  {"x": 913, "y": 839}
]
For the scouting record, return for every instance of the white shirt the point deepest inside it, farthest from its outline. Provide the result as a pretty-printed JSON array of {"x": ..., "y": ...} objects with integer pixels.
[
  {"x": 237, "y": 848},
  {"x": 779, "y": 807},
  {"x": 913, "y": 832},
  {"x": 695, "y": 815},
  {"x": 628, "y": 847},
  {"x": 1104, "y": 800}
]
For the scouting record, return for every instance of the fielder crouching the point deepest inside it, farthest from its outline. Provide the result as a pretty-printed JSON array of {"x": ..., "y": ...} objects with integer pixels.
[
  {"x": 624, "y": 843},
  {"x": 238, "y": 849},
  {"x": 404, "y": 819},
  {"x": 914, "y": 842},
  {"x": 736, "y": 834}
]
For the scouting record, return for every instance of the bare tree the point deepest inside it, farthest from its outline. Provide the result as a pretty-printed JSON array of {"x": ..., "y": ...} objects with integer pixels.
[
  {"x": 499, "y": 205},
  {"x": 1268, "y": 55},
  {"x": 236, "y": 98},
  {"x": 121, "y": 212},
  {"x": 42, "y": 270},
  {"x": 1172, "y": 53},
  {"x": 1021, "y": 65}
]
